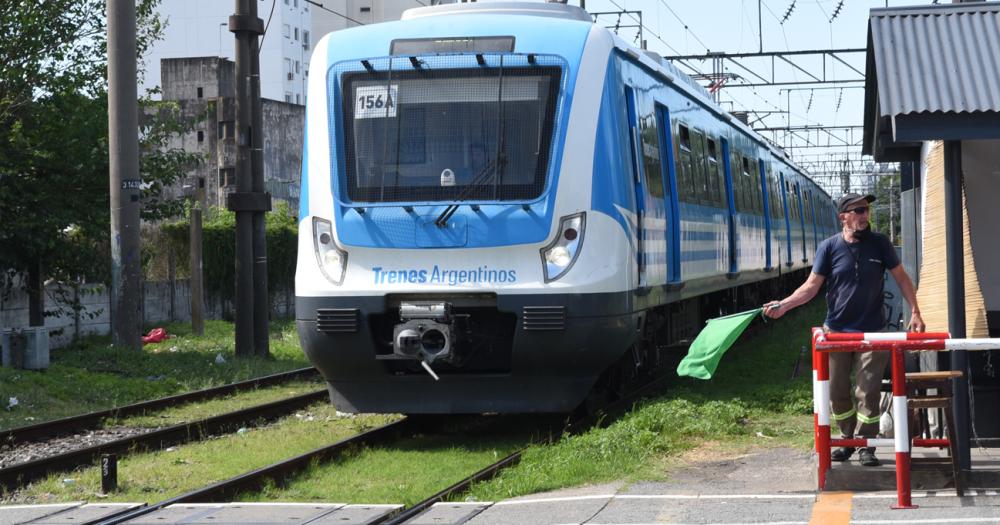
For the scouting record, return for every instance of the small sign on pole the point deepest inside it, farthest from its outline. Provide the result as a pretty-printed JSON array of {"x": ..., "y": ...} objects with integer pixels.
[{"x": 109, "y": 473}]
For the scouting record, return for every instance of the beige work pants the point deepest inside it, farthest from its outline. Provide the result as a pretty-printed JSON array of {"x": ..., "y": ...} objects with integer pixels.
[{"x": 857, "y": 415}]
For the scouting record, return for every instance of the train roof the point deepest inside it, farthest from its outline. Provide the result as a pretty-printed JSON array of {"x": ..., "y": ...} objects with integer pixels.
[
  {"x": 650, "y": 60},
  {"x": 546, "y": 9}
]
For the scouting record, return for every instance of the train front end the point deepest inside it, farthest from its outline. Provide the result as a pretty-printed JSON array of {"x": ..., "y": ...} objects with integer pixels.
[{"x": 443, "y": 238}]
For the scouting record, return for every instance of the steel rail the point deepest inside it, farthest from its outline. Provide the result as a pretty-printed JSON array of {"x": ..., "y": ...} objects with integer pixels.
[
  {"x": 72, "y": 424},
  {"x": 18, "y": 474},
  {"x": 458, "y": 488},
  {"x": 610, "y": 412},
  {"x": 226, "y": 489}
]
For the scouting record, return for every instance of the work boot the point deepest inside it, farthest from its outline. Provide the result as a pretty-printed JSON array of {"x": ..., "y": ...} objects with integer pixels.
[
  {"x": 842, "y": 454},
  {"x": 867, "y": 457}
]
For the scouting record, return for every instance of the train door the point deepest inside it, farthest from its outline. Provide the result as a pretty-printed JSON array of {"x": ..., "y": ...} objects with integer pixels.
[
  {"x": 670, "y": 199},
  {"x": 731, "y": 205},
  {"x": 783, "y": 185},
  {"x": 767, "y": 213},
  {"x": 640, "y": 201}
]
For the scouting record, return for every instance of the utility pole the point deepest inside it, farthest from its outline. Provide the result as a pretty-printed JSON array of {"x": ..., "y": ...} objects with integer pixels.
[
  {"x": 123, "y": 149},
  {"x": 261, "y": 304},
  {"x": 197, "y": 287},
  {"x": 249, "y": 202}
]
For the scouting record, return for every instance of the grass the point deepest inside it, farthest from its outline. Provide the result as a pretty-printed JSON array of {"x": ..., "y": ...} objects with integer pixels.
[
  {"x": 405, "y": 473},
  {"x": 92, "y": 375},
  {"x": 751, "y": 401},
  {"x": 204, "y": 409},
  {"x": 163, "y": 474}
]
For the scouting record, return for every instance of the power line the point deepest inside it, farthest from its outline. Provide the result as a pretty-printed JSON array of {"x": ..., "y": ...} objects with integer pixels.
[
  {"x": 345, "y": 17},
  {"x": 686, "y": 28}
]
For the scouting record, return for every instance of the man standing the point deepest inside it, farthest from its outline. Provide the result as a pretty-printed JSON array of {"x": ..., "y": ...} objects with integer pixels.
[{"x": 853, "y": 263}]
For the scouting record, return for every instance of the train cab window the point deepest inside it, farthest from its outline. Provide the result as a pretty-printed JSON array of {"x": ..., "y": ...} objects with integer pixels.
[
  {"x": 714, "y": 171},
  {"x": 412, "y": 136}
]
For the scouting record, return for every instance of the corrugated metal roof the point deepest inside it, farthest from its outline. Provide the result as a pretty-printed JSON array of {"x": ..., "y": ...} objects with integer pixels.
[{"x": 937, "y": 58}]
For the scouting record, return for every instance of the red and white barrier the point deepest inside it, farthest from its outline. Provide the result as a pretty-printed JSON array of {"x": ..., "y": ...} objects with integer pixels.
[{"x": 896, "y": 343}]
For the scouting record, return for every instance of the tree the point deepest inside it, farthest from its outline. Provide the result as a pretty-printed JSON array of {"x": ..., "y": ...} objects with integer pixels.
[{"x": 54, "y": 198}]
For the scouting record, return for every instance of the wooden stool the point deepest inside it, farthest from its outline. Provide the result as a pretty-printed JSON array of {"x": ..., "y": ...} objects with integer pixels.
[{"x": 917, "y": 384}]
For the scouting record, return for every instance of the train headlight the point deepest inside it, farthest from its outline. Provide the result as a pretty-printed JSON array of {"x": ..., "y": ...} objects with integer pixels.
[
  {"x": 332, "y": 260},
  {"x": 558, "y": 257}
]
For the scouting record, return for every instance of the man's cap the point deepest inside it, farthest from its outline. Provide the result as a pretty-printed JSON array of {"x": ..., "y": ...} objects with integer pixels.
[{"x": 844, "y": 203}]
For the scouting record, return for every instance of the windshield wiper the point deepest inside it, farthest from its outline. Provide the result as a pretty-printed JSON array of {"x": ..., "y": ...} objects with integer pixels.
[{"x": 484, "y": 176}]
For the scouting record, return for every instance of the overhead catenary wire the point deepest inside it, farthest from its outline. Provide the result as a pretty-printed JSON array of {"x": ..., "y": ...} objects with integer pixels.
[
  {"x": 686, "y": 28},
  {"x": 327, "y": 9},
  {"x": 268, "y": 24}
]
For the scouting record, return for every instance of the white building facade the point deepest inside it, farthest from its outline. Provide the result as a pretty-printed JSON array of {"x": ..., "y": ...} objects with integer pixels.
[
  {"x": 200, "y": 28},
  {"x": 350, "y": 13}
]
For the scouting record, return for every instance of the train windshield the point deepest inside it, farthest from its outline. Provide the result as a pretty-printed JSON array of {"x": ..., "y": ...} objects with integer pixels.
[{"x": 480, "y": 133}]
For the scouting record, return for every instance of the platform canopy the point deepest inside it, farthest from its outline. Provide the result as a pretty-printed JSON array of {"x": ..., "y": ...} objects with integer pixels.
[{"x": 932, "y": 73}]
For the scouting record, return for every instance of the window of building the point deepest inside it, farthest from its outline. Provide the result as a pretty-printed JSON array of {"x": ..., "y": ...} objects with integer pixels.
[
  {"x": 298, "y": 98},
  {"x": 226, "y": 129},
  {"x": 227, "y": 177},
  {"x": 288, "y": 68},
  {"x": 201, "y": 92},
  {"x": 286, "y": 30},
  {"x": 298, "y": 66},
  {"x": 288, "y": 96},
  {"x": 296, "y": 3},
  {"x": 305, "y": 38},
  {"x": 286, "y": 2},
  {"x": 296, "y": 34},
  {"x": 201, "y": 136},
  {"x": 366, "y": 10}
]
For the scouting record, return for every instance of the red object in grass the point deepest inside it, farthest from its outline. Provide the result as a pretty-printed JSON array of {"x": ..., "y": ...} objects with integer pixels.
[{"x": 155, "y": 335}]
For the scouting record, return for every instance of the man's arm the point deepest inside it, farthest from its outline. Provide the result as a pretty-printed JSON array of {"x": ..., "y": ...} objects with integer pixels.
[
  {"x": 801, "y": 296},
  {"x": 910, "y": 294}
]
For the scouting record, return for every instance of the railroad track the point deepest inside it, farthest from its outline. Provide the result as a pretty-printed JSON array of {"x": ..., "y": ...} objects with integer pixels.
[
  {"x": 17, "y": 475},
  {"x": 252, "y": 481},
  {"x": 73, "y": 424}
]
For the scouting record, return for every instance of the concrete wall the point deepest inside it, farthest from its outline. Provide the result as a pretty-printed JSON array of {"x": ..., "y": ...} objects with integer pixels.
[
  {"x": 163, "y": 302},
  {"x": 213, "y": 134}
]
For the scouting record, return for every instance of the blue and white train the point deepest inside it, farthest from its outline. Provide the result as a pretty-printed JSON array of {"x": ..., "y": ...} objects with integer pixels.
[{"x": 506, "y": 208}]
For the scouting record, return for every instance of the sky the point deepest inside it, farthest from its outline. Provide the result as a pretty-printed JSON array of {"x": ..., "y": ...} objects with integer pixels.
[{"x": 673, "y": 27}]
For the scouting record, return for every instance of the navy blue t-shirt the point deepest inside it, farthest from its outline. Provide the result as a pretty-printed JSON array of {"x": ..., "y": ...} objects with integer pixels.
[{"x": 855, "y": 273}]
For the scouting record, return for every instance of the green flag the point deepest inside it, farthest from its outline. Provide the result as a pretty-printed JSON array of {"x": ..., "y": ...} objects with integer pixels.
[{"x": 706, "y": 351}]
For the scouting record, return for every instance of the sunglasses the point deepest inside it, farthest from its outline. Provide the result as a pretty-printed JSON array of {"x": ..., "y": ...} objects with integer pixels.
[{"x": 858, "y": 211}]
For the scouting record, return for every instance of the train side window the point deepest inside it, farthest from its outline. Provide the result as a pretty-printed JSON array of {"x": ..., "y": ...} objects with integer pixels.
[
  {"x": 777, "y": 206},
  {"x": 746, "y": 187},
  {"x": 713, "y": 172},
  {"x": 700, "y": 185},
  {"x": 685, "y": 186},
  {"x": 650, "y": 137},
  {"x": 758, "y": 196}
]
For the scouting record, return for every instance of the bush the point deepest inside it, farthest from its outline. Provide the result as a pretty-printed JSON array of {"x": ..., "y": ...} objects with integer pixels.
[{"x": 219, "y": 248}]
